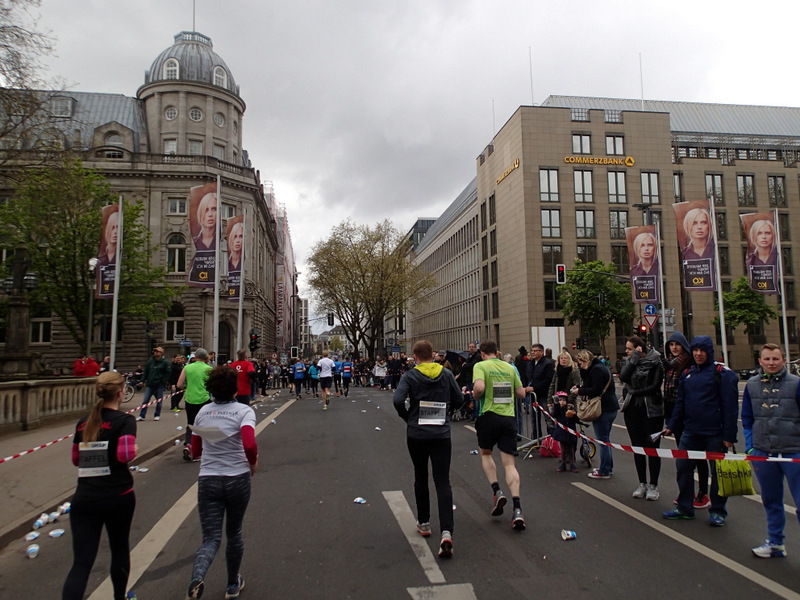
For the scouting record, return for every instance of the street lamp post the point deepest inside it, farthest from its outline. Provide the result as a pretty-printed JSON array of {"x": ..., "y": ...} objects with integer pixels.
[{"x": 92, "y": 265}]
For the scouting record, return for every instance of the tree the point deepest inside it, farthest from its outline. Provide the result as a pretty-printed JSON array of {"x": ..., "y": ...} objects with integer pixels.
[
  {"x": 56, "y": 214},
  {"x": 594, "y": 297},
  {"x": 744, "y": 306},
  {"x": 362, "y": 273}
]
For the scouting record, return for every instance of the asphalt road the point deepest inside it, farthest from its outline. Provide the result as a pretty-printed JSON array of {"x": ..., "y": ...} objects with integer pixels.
[{"x": 306, "y": 537}]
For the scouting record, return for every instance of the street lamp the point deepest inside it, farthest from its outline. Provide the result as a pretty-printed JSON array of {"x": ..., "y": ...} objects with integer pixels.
[{"x": 92, "y": 266}]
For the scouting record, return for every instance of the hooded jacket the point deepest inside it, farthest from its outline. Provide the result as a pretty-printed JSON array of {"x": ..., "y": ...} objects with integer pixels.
[
  {"x": 427, "y": 382},
  {"x": 642, "y": 375},
  {"x": 708, "y": 397},
  {"x": 675, "y": 365}
]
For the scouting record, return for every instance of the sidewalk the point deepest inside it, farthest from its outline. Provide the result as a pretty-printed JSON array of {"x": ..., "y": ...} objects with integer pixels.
[{"x": 38, "y": 482}]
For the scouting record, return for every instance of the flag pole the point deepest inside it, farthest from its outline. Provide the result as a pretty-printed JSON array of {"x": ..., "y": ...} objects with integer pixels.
[
  {"x": 117, "y": 277},
  {"x": 718, "y": 278},
  {"x": 780, "y": 281},
  {"x": 241, "y": 282},
  {"x": 215, "y": 342}
]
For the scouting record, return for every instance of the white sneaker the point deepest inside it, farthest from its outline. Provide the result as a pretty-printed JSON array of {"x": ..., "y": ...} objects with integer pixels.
[
  {"x": 770, "y": 550},
  {"x": 652, "y": 492},
  {"x": 640, "y": 491}
]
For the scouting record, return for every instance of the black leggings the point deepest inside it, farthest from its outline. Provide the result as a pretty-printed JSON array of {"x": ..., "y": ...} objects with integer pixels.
[
  {"x": 218, "y": 498},
  {"x": 87, "y": 519},
  {"x": 191, "y": 415},
  {"x": 439, "y": 453},
  {"x": 640, "y": 426}
]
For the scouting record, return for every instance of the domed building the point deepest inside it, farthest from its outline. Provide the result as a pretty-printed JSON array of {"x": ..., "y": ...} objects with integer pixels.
[{"x": 183, "y": 129}]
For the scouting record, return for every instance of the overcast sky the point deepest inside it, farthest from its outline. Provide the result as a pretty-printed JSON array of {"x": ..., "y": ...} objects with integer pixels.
[{"x": 376, "y": 109}]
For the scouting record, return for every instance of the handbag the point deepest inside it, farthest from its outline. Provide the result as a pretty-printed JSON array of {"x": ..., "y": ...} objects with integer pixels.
[
  {"x": 734, "y": 477},
  {"x": 550, "y": 448},
  {"x": 590, "y": 409}
]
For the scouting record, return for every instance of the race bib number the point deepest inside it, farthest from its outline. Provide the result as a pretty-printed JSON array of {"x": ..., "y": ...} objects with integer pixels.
[
  {"x": 432, "y": 413},
  {"x": 502, "y": 392},
  {"x": 93, "y": 459}
]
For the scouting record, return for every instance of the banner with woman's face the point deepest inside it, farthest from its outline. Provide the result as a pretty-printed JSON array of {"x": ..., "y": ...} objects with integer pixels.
[
  {"x": 105, "y": 270},
  {"x": 203, "y": 215},
  {"x": 762, "y": 251},
  {"x": 235, "y": 238},
  {"x": 696, "y": 241},
  {"x": 644, "y": 255}
]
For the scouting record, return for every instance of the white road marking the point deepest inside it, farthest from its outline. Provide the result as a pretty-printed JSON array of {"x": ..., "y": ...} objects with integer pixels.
[
  {"x": 153, "y": 543},
  {"x": 720, "y": 559},
  {"x": 456, "y": 591}
]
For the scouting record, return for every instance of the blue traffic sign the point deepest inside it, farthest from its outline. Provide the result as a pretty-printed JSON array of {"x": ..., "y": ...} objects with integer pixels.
[
  {"x": 185, "y": 343},
  {"x": 650, "y": 309}
]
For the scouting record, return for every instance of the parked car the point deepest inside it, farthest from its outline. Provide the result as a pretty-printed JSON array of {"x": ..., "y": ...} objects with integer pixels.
[{"x": 747, "y": 373}]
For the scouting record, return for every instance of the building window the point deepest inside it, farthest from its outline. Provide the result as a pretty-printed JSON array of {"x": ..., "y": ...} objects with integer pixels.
[
  {"x": 587, "y": 253},
  {"x": 613, "y": 116},
  {"x": 483, "y": 216},
  {"x": 219, "y": 119},
  {"x": 783, "y": 227},
  {"x": 495, "y": 305},
  {"x": 113, "y": 139},
  {"x": 581, "y": 143},
  {"x": 551, "y": 223},
  {"x": 619, "y": 221},
  {"x": 170, "y": 113},
  {"x": 724, "y": 260},
  {"x": 776, "y": 184},
  {"x": 492, "y": 210},
  {"x": 177, "y": 206},
  {"x": 228, "y": 211},
  {"x": 714, "y": 188},
  {"x": 583, "y": 186},
  {"x": 173, "y": 326},
  {"x": 195, "y": 147},
  {"x": 551, "y": 296},
  {"x": 61, "y": 107},
  {"x": 579, "y": 114},
  {"x": 41, "y": 331},
  {"x": 786, "y": 260},
  {"x": 722, "y": 226},
  {"x": 219, "y": 152},
  {"x": 485, "y": 248},
  {"x": 619, "y": 256},
  {"x": 789, "y": 294},
  {"x": 650, "y": 193},
  {"x": 195, "y": 114},
  {"x": 220, "y": 77},
  {"x": 176, "y": 253},
  {"x": 746, "y": 190},
  {"x": 551, "y": 256},
  {"x": 494, "y": 273},
  {"x": 170, "y": 146},
  {"x": 616, "y": 187},
  {"x": 548, "y": 185},
  {"x": 615, "y": 145},
  {"x": 171, "y": 69},
  {"x": 677, "y": 186},
  {"x": 485, "y": 271},
  {"x": 584, "y": 221}
]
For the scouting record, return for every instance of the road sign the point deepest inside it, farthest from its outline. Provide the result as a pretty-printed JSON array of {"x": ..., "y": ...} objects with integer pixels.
[
  {"x": 274, "y": 356},
  {"x": 650, "y": 309},
  {"x": 651, "y": 321},
  {"x": 185, "y": 343}
]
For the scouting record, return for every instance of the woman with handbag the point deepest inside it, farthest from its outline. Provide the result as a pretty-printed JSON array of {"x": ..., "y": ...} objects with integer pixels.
[
  {"x": 643, "y": 407},
  {"x": 597, "y": 381}
]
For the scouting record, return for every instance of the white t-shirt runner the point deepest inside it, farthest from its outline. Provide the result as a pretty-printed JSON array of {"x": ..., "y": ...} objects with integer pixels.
[
  {"x": 325, "y": 366},
  {"x": 220, "y": 426}
]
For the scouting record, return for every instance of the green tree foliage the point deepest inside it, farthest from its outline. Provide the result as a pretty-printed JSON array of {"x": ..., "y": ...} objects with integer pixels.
[
  {"x": 56, "y": 214},
  {"x": 363, "y": 274},
  {"x": 745, "y": 306},
  {"x": 593, "y": 296}
]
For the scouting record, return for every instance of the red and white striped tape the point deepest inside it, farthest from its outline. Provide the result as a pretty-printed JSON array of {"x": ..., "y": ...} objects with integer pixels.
[{"x": 665, "y": 452}]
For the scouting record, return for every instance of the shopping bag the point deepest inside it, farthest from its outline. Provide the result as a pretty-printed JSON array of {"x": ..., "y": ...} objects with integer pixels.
[{"x": 734, "y": 478}]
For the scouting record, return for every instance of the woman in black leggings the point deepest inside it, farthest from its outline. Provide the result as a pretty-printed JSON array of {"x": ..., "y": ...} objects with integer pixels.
[
  {"x": 224, "y": 435},
  {"x": 105, "y": 442}
]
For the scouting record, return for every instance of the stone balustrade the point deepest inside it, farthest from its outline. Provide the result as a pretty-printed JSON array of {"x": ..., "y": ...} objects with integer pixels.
[{"x": 26, "y": 404}]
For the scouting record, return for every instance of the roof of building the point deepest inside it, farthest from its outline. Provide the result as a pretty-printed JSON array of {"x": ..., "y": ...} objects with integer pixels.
[
  {"x": 468, "y": 196},
  {"x": 91, "y": 110},
  {"x": 196, "y": 61},
  {"x": 701, "y": 118}
]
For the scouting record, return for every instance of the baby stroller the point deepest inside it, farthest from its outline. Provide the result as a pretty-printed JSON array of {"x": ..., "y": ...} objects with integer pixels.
[{"x": 462, "y": 412}]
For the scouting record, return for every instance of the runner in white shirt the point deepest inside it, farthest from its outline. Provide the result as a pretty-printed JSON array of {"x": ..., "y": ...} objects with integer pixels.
[{"x": 325, "y": 366}]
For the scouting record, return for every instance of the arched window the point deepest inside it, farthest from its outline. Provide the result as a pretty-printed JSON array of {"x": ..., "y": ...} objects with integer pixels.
[
  {"x": 176, "y": 253},
  {"x": 173, "y": 326},
  {"x": 220, "y": 77},
  {"x": 171, "y": 69}
]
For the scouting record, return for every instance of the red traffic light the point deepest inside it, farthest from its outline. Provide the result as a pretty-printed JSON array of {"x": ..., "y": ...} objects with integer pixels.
[
  {"x": 643, "y": 328},
  {"x": 561, "y": 274}
]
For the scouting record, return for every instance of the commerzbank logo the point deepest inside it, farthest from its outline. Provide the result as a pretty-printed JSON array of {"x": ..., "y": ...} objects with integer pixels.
[{"x": 600, "y": 160}]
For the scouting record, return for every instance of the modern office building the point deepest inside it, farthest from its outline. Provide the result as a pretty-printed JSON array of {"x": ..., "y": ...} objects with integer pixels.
[{"x": 563, "y": 180}]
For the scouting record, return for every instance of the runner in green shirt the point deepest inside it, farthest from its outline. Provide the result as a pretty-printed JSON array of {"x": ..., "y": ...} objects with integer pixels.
[{"x": 193, "y": 379}]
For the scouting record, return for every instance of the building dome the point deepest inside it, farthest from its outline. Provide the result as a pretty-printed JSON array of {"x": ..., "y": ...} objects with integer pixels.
[{"x": 192, "y": 58}]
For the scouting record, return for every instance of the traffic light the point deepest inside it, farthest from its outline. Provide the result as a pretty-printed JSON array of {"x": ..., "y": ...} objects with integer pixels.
[
  {"x": 561, "y": 274},
  {"x": 295, "y": 353},
  {"x": 254, "y": 342},
  {"x": 585, "y": 343},
  {"x": 330, "y": 319},
  {"x": 642, "y": 329},
  {"x": 578, "y": 344}
]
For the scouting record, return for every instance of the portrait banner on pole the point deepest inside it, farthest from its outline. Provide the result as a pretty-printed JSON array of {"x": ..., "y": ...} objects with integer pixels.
[
  {"x": 644, "y": 256},
  {"x": 696, "y": 241},
  {"x": 235, "y": 237},
  {"x": 762, "y": 251},
  {"x": 105, "y": 270},
  {"x": 203, "y": 214}
]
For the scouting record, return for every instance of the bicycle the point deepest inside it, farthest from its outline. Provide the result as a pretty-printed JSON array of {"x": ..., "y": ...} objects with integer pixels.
[
  {"x": 132, "y": 383},
  {"x": 587, "y": 449}
]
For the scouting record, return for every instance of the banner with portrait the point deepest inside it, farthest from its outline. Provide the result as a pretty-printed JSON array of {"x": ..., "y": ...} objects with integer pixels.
[
  {"x": 644, "y": 256},
  {"x": 762, "y": 251},
  {"x": 234, "y": 234},
  {"x": 105, "y": 270},
  {"x": 203, "y": 214},
  {"x": 696, "y": 241}
]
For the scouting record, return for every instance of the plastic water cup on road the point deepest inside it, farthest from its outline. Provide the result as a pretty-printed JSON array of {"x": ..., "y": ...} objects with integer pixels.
[
  {"x": 377, "y": 429},
  {"x": 274, "y": 421},
  {"x": 134, "y": 468},
  {"x": 473, "y": 451},
  {"x": 177, "y": 442},
  {"x": 179, "y": 428},
  {"x": 31, "y": 536},
  {"x": 56, "y": 533},
  {"x": 53, "y": 516},
  {"x": 32, "y": 551},
  {"x": 360, "y": 500},
  {"x": 567, "y": 535},
  {"x": 64, "y": 508},
  {"x": 143, "y": 469}
]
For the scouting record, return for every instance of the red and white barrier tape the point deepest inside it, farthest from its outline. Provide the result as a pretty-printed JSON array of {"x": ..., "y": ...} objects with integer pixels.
[{"x": 665, "y": 452}]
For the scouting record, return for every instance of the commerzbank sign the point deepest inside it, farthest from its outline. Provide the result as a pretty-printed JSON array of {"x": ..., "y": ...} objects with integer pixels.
[{"x": 600, "y": 160}]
